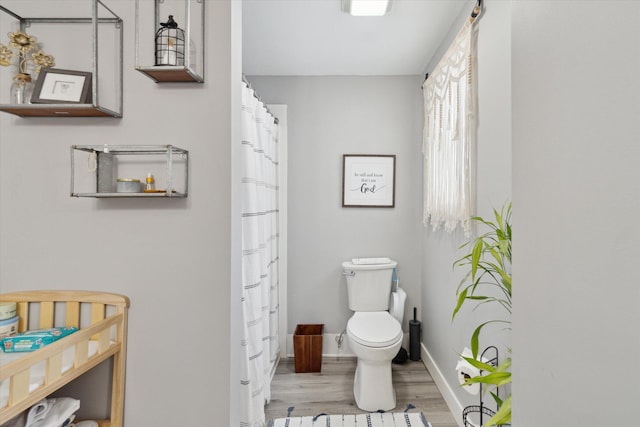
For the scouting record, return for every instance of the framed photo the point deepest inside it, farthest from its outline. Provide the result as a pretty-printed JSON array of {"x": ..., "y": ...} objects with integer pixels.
[
  {"x": 56, "y": 86},
  {"x": 368, "y": 180}
]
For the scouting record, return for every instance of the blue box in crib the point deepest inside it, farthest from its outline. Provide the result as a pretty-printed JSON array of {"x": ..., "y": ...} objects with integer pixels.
[{"x": 34, "y": 340}]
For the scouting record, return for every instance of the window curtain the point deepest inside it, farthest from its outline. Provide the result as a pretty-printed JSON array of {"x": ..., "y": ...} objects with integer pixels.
[
  {"x": 260, "y": 234},
  {"x": 449, "y": 135}
]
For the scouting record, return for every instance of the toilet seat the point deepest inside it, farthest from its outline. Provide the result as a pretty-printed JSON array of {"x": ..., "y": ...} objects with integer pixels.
[{"x": 374, "y": 329}]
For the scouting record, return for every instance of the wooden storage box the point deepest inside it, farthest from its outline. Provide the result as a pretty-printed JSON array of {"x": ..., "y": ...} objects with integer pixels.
[{"x": 307, "y": 348}]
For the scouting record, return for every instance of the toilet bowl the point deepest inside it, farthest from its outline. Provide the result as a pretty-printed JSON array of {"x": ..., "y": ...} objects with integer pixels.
[
  {"x": 375, "y": 338},
  {"x": 373, "y": 334}
]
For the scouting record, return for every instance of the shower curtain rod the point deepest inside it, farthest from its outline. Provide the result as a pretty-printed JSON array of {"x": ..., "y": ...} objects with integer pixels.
[
  {"x": 477, "y": 9},
  {"x": 255, "y": 95}
]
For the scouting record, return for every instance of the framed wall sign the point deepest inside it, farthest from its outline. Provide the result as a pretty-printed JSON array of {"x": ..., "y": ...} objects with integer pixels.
[
  {"x": 55, "y": 86},
  {"x": 368, "y": 180}
]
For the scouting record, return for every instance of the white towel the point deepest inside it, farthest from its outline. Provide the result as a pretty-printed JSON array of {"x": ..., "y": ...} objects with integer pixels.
[
  {"x": 52, "y": 412},
  {"x": 396, "y": 304}
]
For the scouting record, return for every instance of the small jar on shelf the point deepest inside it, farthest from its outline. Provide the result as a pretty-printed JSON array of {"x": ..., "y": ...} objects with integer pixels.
[
  {"x": 21, "y": 89},
  {"x": 150, "y": 186}
]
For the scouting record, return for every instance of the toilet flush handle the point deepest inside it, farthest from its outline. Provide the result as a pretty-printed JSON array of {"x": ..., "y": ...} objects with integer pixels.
[{"x": 349, "y": 273}]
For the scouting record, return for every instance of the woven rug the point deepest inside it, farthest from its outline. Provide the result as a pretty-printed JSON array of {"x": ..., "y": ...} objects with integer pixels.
[{"x": 385, "y": 419}]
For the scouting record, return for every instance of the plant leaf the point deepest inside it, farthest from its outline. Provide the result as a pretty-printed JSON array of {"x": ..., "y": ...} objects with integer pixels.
[
  {"x": 461, "y": 298},
  {"x": 496, "y": 398},
  {"x": 505, "y": 364},
  {"x": 475, "y": 338},
  {"x": 476, "y": 253},
  {"x": 477, "y": 298},
  {"x": 478, "y": 364},
  {"x": 474, "y": 341},
  {"x": 502, "y": 416},
  {"x": 497, "y": 379}
]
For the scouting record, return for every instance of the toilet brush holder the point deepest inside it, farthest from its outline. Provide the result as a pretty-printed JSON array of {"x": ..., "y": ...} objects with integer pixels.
[{"x": 414, "y": 337}]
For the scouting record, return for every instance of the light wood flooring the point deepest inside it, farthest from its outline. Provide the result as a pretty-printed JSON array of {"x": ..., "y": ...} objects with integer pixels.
[{"x": 331, "y": 391}]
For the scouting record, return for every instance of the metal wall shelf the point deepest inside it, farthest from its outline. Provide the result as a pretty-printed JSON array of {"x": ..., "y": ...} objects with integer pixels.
[
  {"x": 191, "y": 18},
  {"x": 80, "y": 21},
  {"x": 170, "y": 74},
  {"x": 129, "y": 195},
  {"x": 104, "y": 163},
  {"x": 58, "y": 110}
]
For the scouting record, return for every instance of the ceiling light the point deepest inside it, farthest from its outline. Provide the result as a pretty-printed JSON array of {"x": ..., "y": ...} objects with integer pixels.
[{"x": 366, "y": 7}]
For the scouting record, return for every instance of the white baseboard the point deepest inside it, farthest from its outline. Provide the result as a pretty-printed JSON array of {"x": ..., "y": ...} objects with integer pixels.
[
  {"x": 330, "y": 346},
  {"x": 447, "y": 392}
]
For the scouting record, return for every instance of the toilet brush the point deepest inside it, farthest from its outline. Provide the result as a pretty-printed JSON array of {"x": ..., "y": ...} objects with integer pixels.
[{"x": 414, "y": 337}]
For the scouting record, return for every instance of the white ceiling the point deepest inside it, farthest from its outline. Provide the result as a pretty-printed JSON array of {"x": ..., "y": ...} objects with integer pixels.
[{"x": 314, "y": 37}]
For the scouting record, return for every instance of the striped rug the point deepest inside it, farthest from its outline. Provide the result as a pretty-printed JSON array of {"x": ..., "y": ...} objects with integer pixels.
[{"x": 385, "y": 419}]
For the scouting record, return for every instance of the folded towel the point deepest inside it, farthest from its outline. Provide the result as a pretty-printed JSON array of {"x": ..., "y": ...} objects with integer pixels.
[
  {"x": 362, "y": 261},
  {"x": 52, "y": 412}
]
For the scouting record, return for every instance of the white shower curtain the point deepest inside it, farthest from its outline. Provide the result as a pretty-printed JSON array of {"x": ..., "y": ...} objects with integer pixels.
[
  {"x": 449, "y": 135},
  {"x": 260, "y": 257}
]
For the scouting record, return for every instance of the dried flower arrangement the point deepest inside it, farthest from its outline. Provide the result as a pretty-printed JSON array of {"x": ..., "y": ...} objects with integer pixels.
[{"x": 24, "y": 46}]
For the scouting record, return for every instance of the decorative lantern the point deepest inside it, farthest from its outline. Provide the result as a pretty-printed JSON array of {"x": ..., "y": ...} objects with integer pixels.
[{"x": 170, "y": 44}]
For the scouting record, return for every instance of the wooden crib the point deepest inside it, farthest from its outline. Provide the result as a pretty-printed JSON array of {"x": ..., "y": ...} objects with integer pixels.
[{"x": 101, "y": 319}]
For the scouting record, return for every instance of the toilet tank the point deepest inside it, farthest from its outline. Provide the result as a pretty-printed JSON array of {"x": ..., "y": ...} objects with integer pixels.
[{"x": 368, "y": 285}]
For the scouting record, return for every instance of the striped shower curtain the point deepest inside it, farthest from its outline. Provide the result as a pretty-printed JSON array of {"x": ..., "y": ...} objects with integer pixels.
[{"x": 260, "y": 257}]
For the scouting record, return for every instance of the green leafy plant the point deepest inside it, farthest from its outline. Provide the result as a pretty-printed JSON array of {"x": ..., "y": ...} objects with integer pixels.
[{"x": 488, "y": 281}]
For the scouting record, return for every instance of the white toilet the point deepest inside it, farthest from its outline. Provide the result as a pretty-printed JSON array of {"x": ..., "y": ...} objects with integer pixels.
[{"x": 373, "y": 334}]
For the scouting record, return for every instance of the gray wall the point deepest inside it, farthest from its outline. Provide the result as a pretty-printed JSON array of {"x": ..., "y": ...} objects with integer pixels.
[
  {"x": 442, "y": 338},
  {"x": 171, "y": 257},
  {"x": 576, "y": 187},
  {"x": 329, "y": 117}
]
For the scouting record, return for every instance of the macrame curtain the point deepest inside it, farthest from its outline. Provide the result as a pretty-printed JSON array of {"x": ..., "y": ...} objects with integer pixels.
[
  {"x": 449, "y": 135},
  {"x": 260, "y": 257}
]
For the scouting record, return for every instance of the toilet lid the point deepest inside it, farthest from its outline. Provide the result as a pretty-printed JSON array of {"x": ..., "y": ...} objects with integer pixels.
[{"x": 374, "y": 328}]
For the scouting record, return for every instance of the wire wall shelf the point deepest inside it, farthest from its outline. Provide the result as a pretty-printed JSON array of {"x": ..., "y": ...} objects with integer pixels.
[{"x": 97, "y": 173}]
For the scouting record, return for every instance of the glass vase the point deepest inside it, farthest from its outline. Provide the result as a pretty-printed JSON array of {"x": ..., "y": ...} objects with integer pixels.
[{"x": 22, "y": 89}]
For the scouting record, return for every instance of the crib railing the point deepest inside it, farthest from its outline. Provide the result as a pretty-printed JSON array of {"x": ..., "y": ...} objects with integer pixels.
[{"x": 106, "y": 324}]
